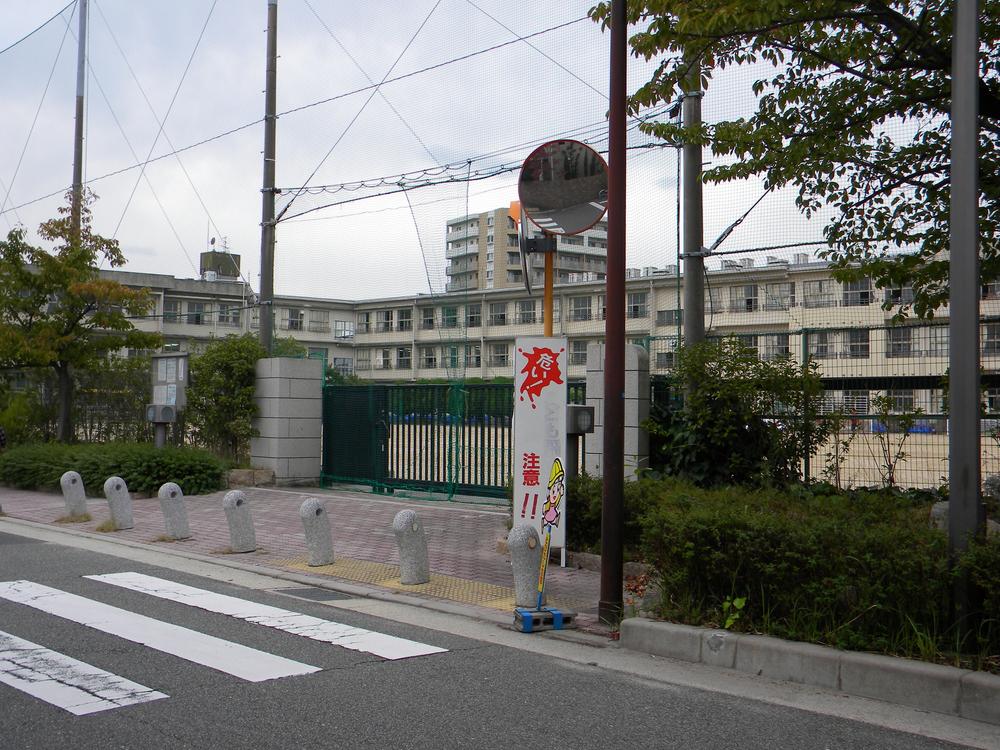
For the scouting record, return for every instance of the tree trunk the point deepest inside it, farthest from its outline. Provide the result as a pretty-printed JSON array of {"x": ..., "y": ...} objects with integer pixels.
[{"x": 65, "y": 432}]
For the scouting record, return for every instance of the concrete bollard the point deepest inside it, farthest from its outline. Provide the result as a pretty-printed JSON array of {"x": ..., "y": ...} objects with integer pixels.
[
  {"x": 414, "y": 566},
  {"x": 120, "y": 503},
  {"x": 242, "y": 537},
  {"x": 316, "y": 523},
  {"x": 525, "y": 548},
  {"x": 74, "y": 493},
  {"x": 175, "y": 516}
]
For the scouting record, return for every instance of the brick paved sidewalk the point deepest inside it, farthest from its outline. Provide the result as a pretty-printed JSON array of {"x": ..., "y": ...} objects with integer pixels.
[{"x": 466, "y": 564}]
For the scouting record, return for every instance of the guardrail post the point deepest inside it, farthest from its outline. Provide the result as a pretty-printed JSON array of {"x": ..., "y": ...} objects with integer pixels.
[
  {"x": 316, "y": 523},
  {"x": 414, "y": 566},
  {"x": 242, "y": 537},
  {"x": 525, "y": 548},
  {"x": 174, "y": 511},
  {"x": 120, "y": 503},
  {"x": 74, "y": 493}
]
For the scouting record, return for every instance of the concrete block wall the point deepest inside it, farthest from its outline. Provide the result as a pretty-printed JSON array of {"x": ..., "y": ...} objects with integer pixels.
[
  {"x": 636, "y": 409},
  {"x": 289, "y": 421}
]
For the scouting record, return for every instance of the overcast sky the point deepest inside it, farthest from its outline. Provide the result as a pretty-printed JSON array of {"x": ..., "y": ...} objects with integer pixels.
[{"x": 478, "y": 113}]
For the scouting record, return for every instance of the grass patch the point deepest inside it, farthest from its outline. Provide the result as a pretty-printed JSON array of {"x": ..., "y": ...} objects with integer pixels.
[{"x": 82, "y": 518}]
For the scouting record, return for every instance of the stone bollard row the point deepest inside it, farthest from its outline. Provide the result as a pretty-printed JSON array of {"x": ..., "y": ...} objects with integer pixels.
[
  {"x": 316, "y": 524},
  {"x": 414, "y": 566},
  {"x": 119, "y": 502},
  {"x": 525, "y": 559},
  {"x": 242, "y": 537},
  {"x": 74, "y": 494},
  {"x": 174, "y": 511}
]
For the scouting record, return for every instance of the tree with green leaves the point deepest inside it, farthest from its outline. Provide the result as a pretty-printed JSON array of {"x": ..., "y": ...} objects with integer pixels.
[
  {"x": 220, "y": 407},
  {"x": 853, "y": 113},
  {"x": 57, "y": 311}
]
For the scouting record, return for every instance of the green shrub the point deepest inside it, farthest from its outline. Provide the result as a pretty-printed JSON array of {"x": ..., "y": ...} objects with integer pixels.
[
  {"x": 143, "y": 467},
  {"x": 584, "y": 506},
  {"x": 856, "y": 570}
]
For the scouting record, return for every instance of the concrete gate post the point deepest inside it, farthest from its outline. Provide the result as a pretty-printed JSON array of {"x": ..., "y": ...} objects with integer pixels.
[{"x": 636, "y": 409}]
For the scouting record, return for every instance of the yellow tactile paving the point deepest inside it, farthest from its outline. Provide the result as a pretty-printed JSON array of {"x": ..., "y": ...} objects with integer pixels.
[{"x": 387, "y": 576}]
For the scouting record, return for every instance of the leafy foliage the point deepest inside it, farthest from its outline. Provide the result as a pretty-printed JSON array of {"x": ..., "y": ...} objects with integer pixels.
[
  {"x": 57, "y": 311},
  {"x": 220, "y": 406},
  {"x": 286, "y": 346},
  {"x": 747, "y": 421},
  {"x": 845, "y": 76},
  {"x": 143, "y": 467}
]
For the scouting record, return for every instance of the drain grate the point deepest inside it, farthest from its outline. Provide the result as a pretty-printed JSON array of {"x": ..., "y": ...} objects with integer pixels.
[{"x": 315, "y": 594}]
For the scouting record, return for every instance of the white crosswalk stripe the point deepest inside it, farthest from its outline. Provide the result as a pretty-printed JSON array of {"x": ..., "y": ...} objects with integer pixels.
[
  {"x": 63, "y": 681},
  {"x": 356, "y": 639},
  {"x": 225, "y": 656}
]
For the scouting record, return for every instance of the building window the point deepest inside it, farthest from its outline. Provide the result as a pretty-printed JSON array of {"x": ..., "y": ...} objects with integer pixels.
[
  {"x": 713, "y": 299},
  {"x": 364, "y": 322},
  {"x": 636, "y": 305},
  {"x": 774, "y": 346},
  {"x": 451, "y": 357},
  {"x": 858, "y": 293},
  {"x": 743, "y": 298},
  {"x": 901, "y": 400},
  {"x": 473, "y": 316},
  {"x": 748, "y": 341},
  {"x": 937, "y": 341},
  {"x": 404, "y": 358},
  {"x": 991, "y": 339},
  {"x": 405, "y": 318},
  {"x": 343, "y": 329},
  {"x": 820, "y": 345},
  {"x": 526, "y": 312},
  {"x": 170, "y": 346},
  {"x": 255, "y": 317},
  {"x": 317, "y": 352},
  {"x": 780, "y": 296},
  {"x": 428, "y": 357},
  {"x": 991, "y": 290},
  {"x": 319, "y": 321},
  {"x": 578, "y": 352},
  {"x": 900, "y": 342},
  {"x": 668, "y": 317},
  {"x": 343, "y": 365},
  {"x": 383, "y": 321},
  {"x": 579, "y": 308},
  {"x": 449, "y": 317},
  {"x": 819, "y": 293},
  {"x": 473, "y": 355},
  {"x": 294, "y": 320},
  {"x": 229, "y": 315},
  {"x": 383, "y": 359},
  {"x": 171, "y": 310},
  {"x": 899, "y": 295},
  {"x": 427, "y": 318},
  {"x": 498, "y": 313},
  {"x": 197, "y": 313},
  {"x": 602, "y": 308},
  {"x": 857, "y": 344},
  {"x": 499, "y": 356},
  {"x": 514, "y": 276},
  {"x": 513, "y": 259},
  {"x": 364, "y": 361}
]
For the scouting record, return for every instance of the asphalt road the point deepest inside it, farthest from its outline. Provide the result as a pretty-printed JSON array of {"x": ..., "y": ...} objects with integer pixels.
[{"x": 477, "y": 693}]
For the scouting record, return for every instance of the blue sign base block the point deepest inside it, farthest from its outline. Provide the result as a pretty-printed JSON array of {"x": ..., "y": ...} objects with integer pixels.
[{"x": 546, "y": 618}]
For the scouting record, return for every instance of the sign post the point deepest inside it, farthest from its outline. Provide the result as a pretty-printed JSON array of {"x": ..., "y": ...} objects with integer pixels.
[{"x": 562, "y": 189}]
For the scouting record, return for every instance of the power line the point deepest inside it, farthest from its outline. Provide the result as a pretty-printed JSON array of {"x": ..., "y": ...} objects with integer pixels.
[{"x": 36, "y": 30}]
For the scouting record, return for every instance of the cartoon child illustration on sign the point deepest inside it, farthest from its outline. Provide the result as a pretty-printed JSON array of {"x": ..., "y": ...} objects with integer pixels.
[{"x": 551, "y": 511}]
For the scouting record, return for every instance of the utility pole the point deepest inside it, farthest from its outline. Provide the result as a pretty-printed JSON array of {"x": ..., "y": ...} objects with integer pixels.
[
  {"x": 610, "y": 606},
  {"x": 81, "y": 77},
  {"x": 266, "y": 301},
  {"x": 965, "y": 515},
  {"x": 693, "y": 238}
]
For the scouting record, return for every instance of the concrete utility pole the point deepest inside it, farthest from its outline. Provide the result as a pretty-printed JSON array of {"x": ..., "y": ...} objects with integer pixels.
[
  {"x": 965, "y": 514},
  {"x": 266, "y": 301},
  {"x": 610, "y": 606},
  {"x": 693, "y": 238},
  {"x": 81, "y": 78}
]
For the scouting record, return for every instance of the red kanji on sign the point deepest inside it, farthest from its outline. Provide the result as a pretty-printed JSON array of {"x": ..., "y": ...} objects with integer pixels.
[
  {"x": 530, "y": 468},
  {"x": 541, "y": 369}
]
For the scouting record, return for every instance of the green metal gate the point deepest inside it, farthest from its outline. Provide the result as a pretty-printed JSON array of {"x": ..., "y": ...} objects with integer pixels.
[{"x": 452, "y": 438}]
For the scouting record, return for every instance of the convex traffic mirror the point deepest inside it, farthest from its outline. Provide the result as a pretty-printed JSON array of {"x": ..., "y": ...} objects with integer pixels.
[{"x": 563, "y": 187}]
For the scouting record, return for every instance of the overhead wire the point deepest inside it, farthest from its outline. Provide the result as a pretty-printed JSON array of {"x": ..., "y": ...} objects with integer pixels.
[
  {"x": 34, "y": 121},
  {"x": 166, "y": 116},
  {"x": 371, "y": 96},
  {"x": 34, "y": 31}
]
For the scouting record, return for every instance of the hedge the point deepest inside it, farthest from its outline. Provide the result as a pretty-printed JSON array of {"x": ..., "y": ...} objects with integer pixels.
[{"x": 143, "y": 467}]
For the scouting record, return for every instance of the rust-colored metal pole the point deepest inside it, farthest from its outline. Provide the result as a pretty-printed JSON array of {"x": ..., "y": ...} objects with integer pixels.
[{"x": 613, "y": 465}]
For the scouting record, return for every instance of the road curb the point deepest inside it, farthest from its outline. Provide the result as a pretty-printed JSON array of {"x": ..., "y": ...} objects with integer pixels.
[{"x": 930, "y": 687}]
